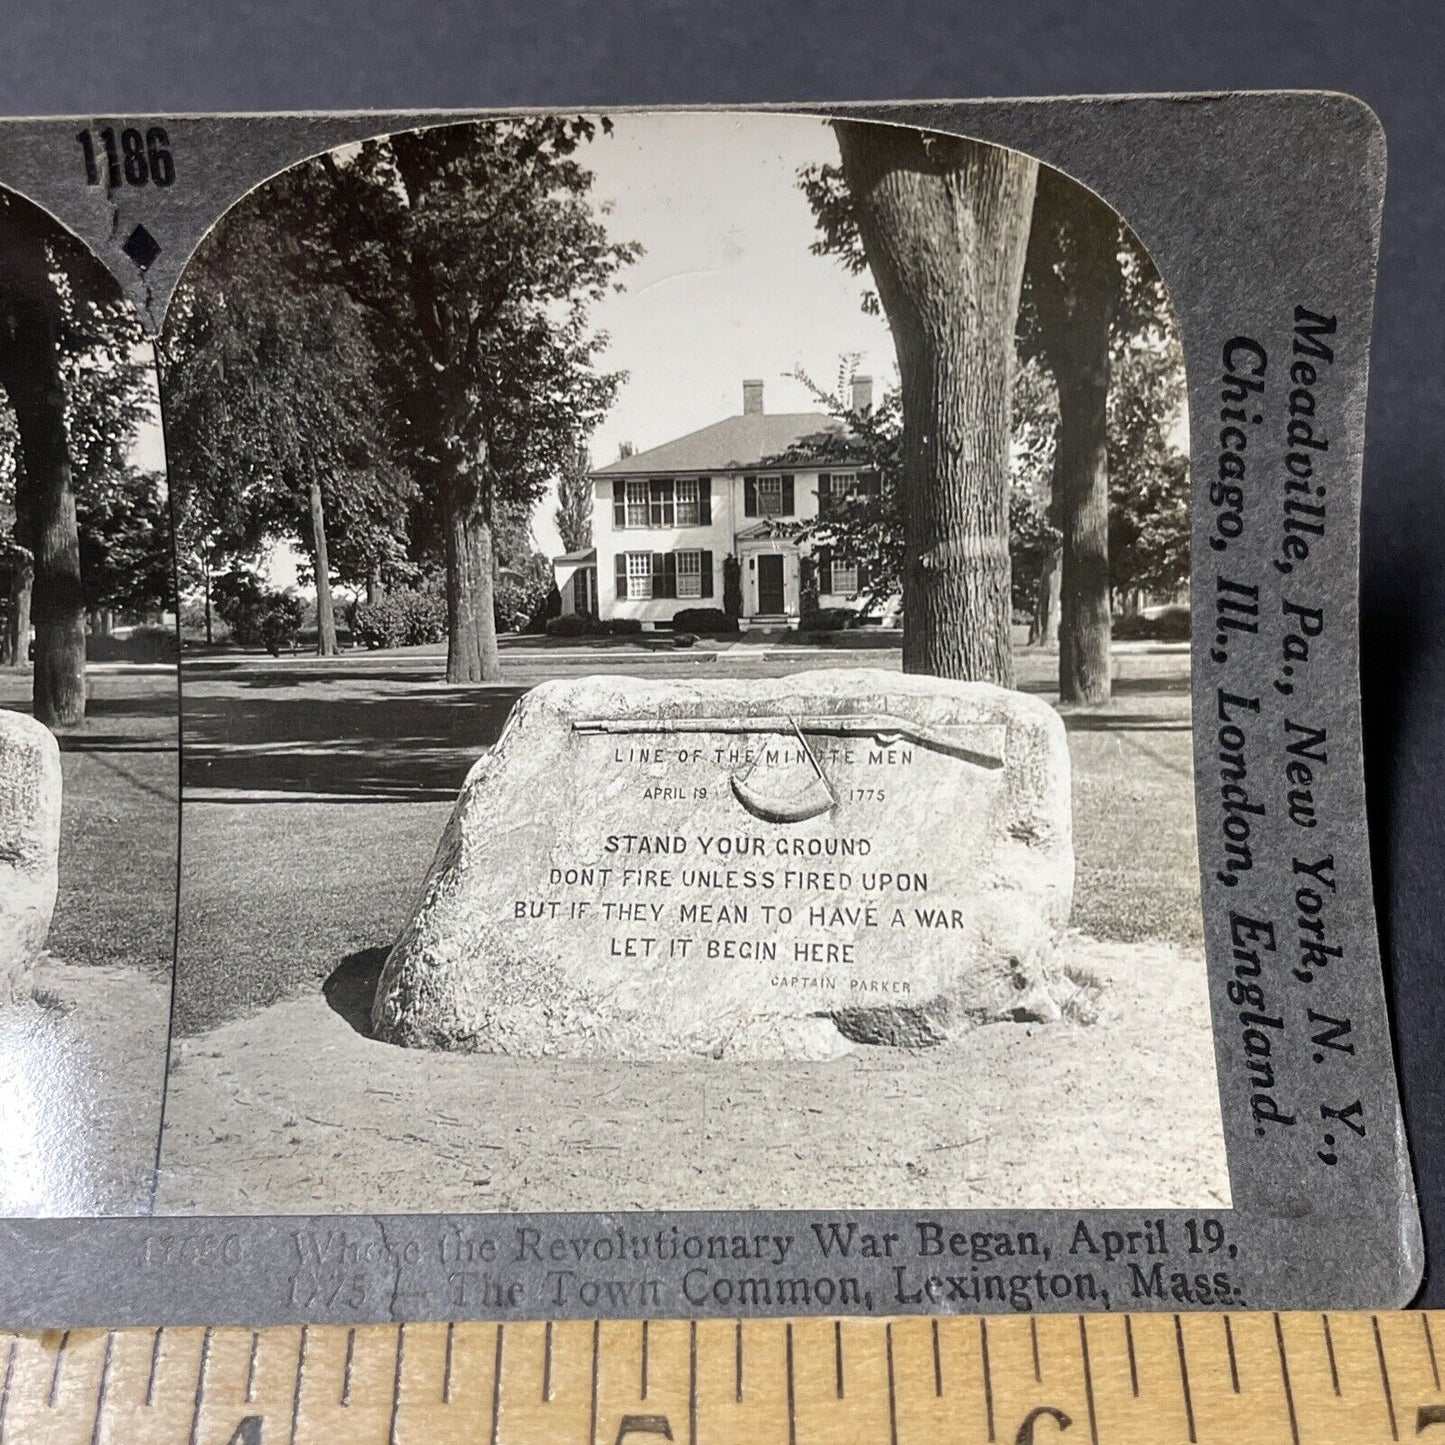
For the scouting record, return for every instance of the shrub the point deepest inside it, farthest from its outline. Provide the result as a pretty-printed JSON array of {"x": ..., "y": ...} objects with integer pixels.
[
  {"x": 572, "y": 624},
  {"x": 406, "y": 618},
  {"x": 622, "y": 626},
  {"x": 828, "y": 619},
  {"x": 704, "y": 620},
  {"x": 279, "y": 623},
  {"x": 732, "y": 586},
  {"x": 257, "y": 616},
  {"x": 142, "y": 644},
  {"x": 1169, "y": 625}
]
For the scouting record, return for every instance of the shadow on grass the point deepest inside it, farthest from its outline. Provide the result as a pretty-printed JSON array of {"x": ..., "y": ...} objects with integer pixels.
[
  {"x": 417, "y": 747},
  {"x": 352, "y": 986}
]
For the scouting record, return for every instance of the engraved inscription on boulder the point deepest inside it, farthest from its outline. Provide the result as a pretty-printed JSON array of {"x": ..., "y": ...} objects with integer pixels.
[
  {"x": 29, "y": 846},
  {"x": 772, "y": 869}
]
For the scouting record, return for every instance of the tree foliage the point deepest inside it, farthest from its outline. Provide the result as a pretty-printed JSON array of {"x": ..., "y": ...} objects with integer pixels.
[
  {"x": 574, "y": 501},
  {"x": 475, "y": 254},
  {"x": 1148, "y": 479}
]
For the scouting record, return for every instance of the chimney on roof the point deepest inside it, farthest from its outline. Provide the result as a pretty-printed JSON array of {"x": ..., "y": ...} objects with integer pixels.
[
  {"x": 862, "y": 393},
  {"x": 752, "y": 398}
]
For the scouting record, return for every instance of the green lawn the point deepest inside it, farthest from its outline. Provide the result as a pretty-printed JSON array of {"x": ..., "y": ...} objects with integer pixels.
[
  {"x": 316, "y": 792},
  {"x": 118, "y": 834}
]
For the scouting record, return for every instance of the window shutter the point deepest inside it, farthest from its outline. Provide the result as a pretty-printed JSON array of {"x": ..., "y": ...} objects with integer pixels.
[
  {"x": 825, "y": 493},
  {"x": 669, "y": 573},
  {"x": 787, "y": 496},
  {"x": 750, "y": 496},
  {"x": 870, "y": 485},
  {"x": 619, "y": 504},
  {"x": 658, "y": 581},
  {"x": 862, "y": 576},
  {"x": 706, "y": 565},
  {"x": 825, "y": 570},
  {"x": 704, "y": 502},
  {"x": 621, "y": 573}
]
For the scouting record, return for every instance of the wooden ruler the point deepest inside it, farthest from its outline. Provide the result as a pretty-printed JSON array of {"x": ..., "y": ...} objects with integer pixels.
[{"x": 1299, "y": 1379}]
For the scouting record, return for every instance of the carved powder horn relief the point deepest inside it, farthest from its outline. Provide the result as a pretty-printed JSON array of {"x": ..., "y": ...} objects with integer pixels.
[{"x": 785, "y": 792}]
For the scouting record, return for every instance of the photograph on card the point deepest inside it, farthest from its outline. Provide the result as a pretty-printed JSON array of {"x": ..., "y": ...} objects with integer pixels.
[
  {"x": 89, "y": 766},
  {"x": 687, "y": 682}
]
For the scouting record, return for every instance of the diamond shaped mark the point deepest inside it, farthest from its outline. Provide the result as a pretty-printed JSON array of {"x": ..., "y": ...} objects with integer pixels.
[{"x": 141, "y": 247}]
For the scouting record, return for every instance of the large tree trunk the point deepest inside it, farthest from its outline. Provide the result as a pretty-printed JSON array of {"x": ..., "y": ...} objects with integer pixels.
[
  {"x": 1045, "y": 629},
  {"x": 206, "y": 573},
  {"x": 17, "y": 631},
  {"x": 471, "y": 621},
  {"x": 325, "y": 612},
  {"x": 1076, "y": 279},
  {"x": 375, "y": 588},
  {"x": 1081, "y": 503},
  {"x": 945, "y": 225},
  {"x": 45, "y": 501},
  {"x": 57, "y": 605}
]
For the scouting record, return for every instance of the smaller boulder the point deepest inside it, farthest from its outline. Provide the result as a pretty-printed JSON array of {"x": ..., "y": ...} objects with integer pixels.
[{"x": 29, "y": 847}]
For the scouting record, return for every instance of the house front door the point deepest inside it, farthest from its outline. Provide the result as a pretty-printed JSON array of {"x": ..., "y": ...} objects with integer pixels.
[{"x": 771, "y": 602}]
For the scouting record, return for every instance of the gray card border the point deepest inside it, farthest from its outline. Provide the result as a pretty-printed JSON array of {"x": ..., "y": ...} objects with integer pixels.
[{"x": 1252, "y": 205}]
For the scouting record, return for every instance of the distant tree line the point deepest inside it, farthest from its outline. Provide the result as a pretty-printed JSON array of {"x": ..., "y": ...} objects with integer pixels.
[{"x": 385, "y": 355}]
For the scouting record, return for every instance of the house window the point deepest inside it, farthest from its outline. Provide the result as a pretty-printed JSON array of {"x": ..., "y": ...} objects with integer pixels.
[
  {"x": 770, "y": 496},
  {"x": 687, "y": 508},
  {"x": 661, "y": 509},
  {"x": 689, "y": 574},
  {"x": 637, "y": 504},
  {"x": 639, "y": 574},
  {"x": 844, "y": 581}
]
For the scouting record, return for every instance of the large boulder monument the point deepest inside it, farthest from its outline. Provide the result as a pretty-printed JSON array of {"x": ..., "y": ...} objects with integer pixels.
[{"x": 750, "y": 869}]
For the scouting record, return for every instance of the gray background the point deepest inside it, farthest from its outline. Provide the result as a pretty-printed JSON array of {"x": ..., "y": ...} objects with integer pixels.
[{"x": 70, "y": 57}]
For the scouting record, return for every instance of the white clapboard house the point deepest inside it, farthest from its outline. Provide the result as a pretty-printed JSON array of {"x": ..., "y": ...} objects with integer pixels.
[{"x": 664, "y": 521}]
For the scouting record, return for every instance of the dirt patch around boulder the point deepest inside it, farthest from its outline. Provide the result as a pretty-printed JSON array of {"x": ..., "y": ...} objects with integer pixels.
[{"x": 295, "y": 1109}]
